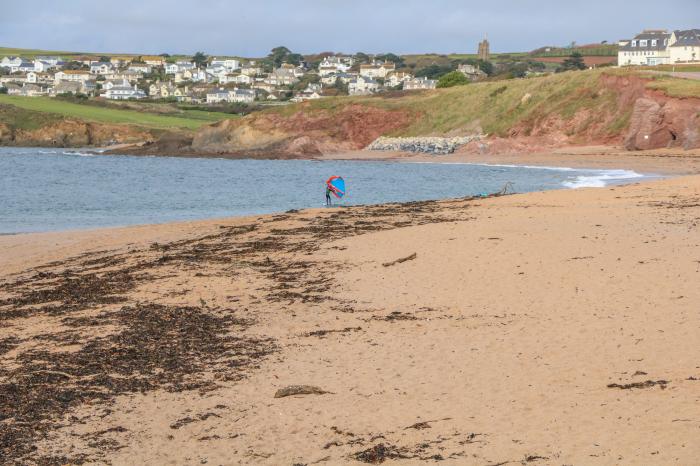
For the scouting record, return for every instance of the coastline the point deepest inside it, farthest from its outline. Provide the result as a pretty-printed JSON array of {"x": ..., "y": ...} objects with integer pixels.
[
  {"x": 517, "y": 319},
  {"x": 525, "y": 326}
]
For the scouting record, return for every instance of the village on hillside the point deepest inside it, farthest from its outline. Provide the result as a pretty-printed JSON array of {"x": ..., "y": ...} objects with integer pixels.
[{"x": 284, "y": 76}]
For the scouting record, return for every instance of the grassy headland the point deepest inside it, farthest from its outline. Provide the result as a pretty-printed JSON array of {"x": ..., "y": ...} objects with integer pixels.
[{"x": 184, "y": 119}]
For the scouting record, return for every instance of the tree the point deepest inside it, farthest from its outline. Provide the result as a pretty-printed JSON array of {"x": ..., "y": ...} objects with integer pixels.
[
  {"x": 278, "y": 55},
  {"x": 200, "y": 59},
  {"x": 75, "y": 65},
  {"x": 398, "y": 61},
  {"x": 361, "y": 57},
  {"x": 294, "y": 59},
  {"x": 572, "y": 63},
  {"x": 104, "y": 59},
  {"x": 486, "y": 67},
  {"x": 341, "y": 86},
  {"x": 434, "y": 71},
  {"x": 453, "y": 78},
  {"x": 3, "y": 90}
]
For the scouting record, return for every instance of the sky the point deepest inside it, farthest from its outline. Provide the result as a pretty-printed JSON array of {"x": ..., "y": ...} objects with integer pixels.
[{"x": 251, "y": 28}]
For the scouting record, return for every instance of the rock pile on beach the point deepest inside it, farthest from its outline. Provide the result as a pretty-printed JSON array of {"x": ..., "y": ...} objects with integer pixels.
[{"x": 429, "y": 145}]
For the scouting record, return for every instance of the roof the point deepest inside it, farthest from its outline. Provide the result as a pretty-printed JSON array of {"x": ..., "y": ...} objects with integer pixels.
[
  {"x": 690, "y": 37},
  {"x": 648, "y": 35}
]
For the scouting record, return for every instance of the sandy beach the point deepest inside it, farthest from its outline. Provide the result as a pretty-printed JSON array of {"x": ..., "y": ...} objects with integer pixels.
[{"x": 545, "y": 328}]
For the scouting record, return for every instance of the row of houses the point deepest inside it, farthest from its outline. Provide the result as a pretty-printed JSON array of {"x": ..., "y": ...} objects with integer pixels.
[{"x": 659, "y": 47}]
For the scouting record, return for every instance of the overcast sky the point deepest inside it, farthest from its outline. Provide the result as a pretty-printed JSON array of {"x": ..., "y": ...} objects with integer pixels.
[{"x": 253, "y": 27}]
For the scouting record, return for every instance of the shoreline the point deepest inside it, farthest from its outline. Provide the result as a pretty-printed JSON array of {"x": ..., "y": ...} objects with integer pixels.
[
  {"x": 402, "y": 157},
  {"x": 544, "y": 317}
]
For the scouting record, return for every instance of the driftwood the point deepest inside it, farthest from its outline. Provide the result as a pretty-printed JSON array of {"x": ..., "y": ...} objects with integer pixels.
[
  {"x": 398, "y": 261},
  {"x": 299, "y": 390}
]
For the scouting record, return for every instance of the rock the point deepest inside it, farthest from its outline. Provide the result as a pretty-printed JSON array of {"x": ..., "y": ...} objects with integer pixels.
[
  {"x": 299, "y": 390},
  {"x": 429, "y": 145}
]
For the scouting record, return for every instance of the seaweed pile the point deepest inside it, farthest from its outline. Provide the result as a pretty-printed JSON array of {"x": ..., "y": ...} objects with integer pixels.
[{"x": 104, "y": 343}]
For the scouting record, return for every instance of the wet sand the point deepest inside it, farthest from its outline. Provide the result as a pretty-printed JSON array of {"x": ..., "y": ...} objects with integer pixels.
[
  {"x": 544, "y": 328},
  {"x": 659, "y": 161}
]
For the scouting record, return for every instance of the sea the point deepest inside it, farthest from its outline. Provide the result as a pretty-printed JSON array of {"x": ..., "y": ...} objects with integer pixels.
[{"x": 58, "y": 189}]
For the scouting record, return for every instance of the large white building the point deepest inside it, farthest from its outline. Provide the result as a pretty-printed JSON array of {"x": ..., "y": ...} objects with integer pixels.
[
  {"x": 648, "y": 48},
  {"x": 685, "y": 46},
  {"x": 659, "y": 47},
  {"x": 124, "y": 93}
]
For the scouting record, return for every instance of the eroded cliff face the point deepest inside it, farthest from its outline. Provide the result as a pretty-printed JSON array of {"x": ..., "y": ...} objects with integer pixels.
[
  {"x": 629, "y": 114},
  {"x": 301, "y": 133},
  {"x": 658, "y": 123},
  {"x": 640, "y": 119},
  {"x": 72, "y": 133}
]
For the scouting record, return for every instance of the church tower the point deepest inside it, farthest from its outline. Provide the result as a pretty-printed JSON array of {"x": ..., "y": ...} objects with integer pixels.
[{"x": 484, "y": 52}]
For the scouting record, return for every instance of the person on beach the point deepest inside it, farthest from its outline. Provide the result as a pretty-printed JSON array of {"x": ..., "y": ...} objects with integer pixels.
[{"x": 328, "y": 196}]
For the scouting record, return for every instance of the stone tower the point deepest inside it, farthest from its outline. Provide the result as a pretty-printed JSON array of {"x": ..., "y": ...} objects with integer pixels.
[{"x": 484, "y": 52}]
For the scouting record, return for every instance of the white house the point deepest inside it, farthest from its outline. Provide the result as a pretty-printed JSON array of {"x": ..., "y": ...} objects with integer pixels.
[
  {"x": 229, "y": 64},
  {"x": 111, "y": 83},
  {"x": 242, "y": 95},
  {"x": 396, "y": 78},
  {"x": 51, "y": 60},
  {"x": 648, "y": 48},
  {"x": 140, "y": 68},
  {"x": 331, "y": 65},
  {"x": 124, "y": 93},
  {"x": 219, "y": 95},
  {"x": 178, "y": 67},
  {"x": 131, "y": 76},
  {"x": 72, "y": 75},
  {"x": 27, "y": 90},
  {"x": 471, "y": 71},
  {"x": 419, "y": 83},
  {"x": 153, "y": 60},
  {"x": 363, "y": 85},
  {"x": 102, "y": 68},
  {"x": 42, "y": 66},
  {"x": 685, "y": 46},
  {"x": 10, "y": 62},
  {"x": 377, "y": 70},
  {"x": 251, "y": 69}
]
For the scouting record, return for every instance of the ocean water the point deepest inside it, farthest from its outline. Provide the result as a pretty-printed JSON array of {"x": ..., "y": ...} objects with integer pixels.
[{"x": 59, "y": 189}]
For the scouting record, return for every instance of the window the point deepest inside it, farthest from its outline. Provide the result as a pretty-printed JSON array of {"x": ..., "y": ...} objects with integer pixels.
[
  {"x": 643, "y": 43},
  {"x": 653, "y": 42},
  {"x": 634, "y": 43}
]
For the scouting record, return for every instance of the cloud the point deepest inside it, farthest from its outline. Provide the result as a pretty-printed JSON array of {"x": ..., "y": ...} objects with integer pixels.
[{"x": 252, "y": 28}]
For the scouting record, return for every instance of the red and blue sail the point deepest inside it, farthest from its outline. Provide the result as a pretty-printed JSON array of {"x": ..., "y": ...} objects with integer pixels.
[{"x": 337, "y": 186}]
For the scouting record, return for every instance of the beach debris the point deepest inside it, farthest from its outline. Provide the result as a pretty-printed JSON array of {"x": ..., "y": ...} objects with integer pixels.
[
  {"x": 292, "y": 390},
  {"x": 646, "y": 384},
  {"x": 187, "y": 420},
  {"x": 394, "y": 316},
  {"x": 400, "y": 260},
  {"x": 419, "y": 426},
  {"x": 379, "y": 453},
  {"x": 323, "y": 333}
]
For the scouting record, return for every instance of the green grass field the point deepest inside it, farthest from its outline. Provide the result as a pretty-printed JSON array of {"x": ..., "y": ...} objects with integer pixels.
[{"x": 185, "y": 119}]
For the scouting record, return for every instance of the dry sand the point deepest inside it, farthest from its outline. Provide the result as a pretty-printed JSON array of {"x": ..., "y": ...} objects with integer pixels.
[{"x": 500, "y": 343}]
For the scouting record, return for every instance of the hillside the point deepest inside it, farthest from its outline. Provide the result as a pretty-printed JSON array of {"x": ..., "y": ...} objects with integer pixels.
[
  {"x": 35, "y": 121},
  {"x": 592, "y": 107},
  {"x": 634, "y": 109}
]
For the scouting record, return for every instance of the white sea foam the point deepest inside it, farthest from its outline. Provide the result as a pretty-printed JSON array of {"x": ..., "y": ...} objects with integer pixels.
[
  {"x": 601, "y": 178},
  {"x": 78, "y": 153}
]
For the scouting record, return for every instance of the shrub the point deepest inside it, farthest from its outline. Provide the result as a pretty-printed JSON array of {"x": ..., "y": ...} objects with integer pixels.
[{"x": 454, "y": 78}]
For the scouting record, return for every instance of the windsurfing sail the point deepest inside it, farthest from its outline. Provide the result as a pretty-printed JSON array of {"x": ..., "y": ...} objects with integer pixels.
[{"x": 337, "y": 186}]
